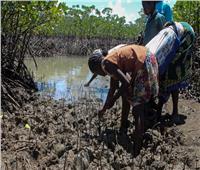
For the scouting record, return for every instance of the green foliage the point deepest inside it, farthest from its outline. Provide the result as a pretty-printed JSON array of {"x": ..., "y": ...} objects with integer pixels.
[
  {"x": 89, "y": 22},
  {"x": 188, "y": 11},
  {"x": 51, "y": 18},
  {"x": 20, "y": 21},
  {"x": 29, "y": 15}
]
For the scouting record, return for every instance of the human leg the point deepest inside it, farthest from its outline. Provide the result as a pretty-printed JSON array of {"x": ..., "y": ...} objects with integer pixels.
[
  {"x": 138, "y": 111},
  {"x": 175, "y": 116},
  {"x": 175, "y": 95},
  {"x": 159, "y": 109},
  {"x": 124, "y": 114}
]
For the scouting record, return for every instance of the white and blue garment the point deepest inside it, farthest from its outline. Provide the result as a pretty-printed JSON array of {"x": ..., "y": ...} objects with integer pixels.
[{"x": 165, "y": 44}]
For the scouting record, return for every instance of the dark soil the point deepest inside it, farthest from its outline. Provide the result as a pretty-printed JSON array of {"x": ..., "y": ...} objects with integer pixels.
[{"x": 49, "y": 134}]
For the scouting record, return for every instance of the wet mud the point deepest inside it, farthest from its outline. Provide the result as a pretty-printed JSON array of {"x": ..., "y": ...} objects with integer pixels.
[{"x": 49, "y": 134}]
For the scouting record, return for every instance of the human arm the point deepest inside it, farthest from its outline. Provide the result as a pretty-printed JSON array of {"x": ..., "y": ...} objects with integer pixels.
[
  {"x": 126, "y": 81},
  {"x": 160, "y": 22},
  {"x": 118, "y": 93},
  {"x": 116, "y": 76},
  {"x": 91, "y": 79},
  {"x": 140, "y": 38},
  {"x": 110, "y": 100}
]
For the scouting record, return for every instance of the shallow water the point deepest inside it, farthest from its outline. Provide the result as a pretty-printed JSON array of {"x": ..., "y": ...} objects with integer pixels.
[{"x": 64, "y": 77}]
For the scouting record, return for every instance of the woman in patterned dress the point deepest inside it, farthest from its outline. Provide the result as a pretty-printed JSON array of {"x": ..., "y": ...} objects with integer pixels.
[{"x": 141, "y": 64}]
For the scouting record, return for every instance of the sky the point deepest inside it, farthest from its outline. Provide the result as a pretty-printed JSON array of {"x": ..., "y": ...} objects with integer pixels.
[{"x": 127, "y": 8}]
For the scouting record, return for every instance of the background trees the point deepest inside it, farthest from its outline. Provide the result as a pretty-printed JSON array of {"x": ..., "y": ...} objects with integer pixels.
[
  {"x": 188, "y": 11},
  {"x": 90, "y": 22},
  {"x": 20, "y": 21}
]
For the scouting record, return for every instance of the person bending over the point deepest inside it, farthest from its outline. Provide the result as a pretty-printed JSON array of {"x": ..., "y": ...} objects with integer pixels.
[
  {"x": 141, "y": 64},
  {"x": 172, "y": 48}
]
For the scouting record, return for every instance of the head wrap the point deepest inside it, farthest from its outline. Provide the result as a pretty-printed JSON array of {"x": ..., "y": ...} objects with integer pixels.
[
  {"x": 148, "y": 4},
  {"x": 94, "y": 61}
]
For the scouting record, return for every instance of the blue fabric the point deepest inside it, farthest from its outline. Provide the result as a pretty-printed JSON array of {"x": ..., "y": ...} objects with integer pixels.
[
  {"x": 180, "y": 85},
  {"x": 164, "y": 9},
  {"x": 154, "y": 24},
  {"x": 164, "y": 46},
  {"x": 164, "y": 96},
  {"x": 168, "y": 59},
  {"x": 179, "y": 70}
]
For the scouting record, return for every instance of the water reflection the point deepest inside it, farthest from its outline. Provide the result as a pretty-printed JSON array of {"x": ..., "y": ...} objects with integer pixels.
[{"x": 63, "y": 77}]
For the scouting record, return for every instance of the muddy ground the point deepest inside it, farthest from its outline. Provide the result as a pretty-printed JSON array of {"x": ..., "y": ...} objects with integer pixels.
[{"x": 49, "y": 134}]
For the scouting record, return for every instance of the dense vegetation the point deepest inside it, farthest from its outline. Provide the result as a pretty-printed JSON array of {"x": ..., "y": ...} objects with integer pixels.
[
  {"x": 20, "y": 21},
  {"x": 89, "y": 22},
  {"x": 188, "y": 11}
]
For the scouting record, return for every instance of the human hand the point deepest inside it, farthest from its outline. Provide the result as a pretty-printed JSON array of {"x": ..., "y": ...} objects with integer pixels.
[
  {"x": 129, "y": 92},
  {"x": 130, "y": 95},
  {"x": 86, "y": 85},
  {"x": 130, "y": 101},
  {"x": 109, "y": 104},
  {"x": 101, "y": 112}
]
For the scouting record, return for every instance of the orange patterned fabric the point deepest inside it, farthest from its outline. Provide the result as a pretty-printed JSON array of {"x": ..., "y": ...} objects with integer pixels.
[
  {"x": 129, "y": 58},
  {"x": 142, "y": 65}
]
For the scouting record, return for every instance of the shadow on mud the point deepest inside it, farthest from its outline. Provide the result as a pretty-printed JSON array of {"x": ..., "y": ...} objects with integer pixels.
[
  {"x": 168, "y": 120},
  {"x": 117, "y": 141}
]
